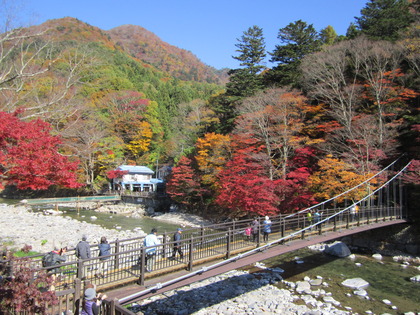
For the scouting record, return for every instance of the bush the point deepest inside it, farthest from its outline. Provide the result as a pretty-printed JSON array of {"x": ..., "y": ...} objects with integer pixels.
[{"x": 26, "y": 290}]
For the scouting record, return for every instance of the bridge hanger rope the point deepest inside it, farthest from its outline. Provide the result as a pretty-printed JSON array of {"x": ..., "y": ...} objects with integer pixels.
[
  {"x": 261, "y": 248},
  {"x": 347, "y": 191}
]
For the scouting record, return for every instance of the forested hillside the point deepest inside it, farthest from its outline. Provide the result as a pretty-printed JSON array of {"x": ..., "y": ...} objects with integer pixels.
[
  {"x": 107, "y": 106},
  {"x": 330, "y": 110}
]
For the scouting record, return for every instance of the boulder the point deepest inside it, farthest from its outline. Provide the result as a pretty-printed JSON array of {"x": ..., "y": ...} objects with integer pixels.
[
  {"x": 355, "y": 283},
  {"x": 338, "y": 249}
]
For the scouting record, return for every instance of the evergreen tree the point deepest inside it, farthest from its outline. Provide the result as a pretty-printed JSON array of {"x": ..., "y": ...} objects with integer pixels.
[
  {"x": 247, "y": 80},
  {"x": 352, "y": 31},
  {"x": 328, "y": 35},
  {"x": 384, "y": 19},
  {"x": 298, "y": 39}
]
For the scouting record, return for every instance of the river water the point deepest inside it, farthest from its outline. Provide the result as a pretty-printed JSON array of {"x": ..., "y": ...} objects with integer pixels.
[{"x": 387, "y": 279}]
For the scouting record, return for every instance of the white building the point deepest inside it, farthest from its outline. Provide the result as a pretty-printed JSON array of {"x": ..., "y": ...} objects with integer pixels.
[{"x": 136, "y": 178}]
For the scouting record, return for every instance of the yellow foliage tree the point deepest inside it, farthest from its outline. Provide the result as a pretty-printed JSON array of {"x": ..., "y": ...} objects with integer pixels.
[
  {"x": 335, "y": 177},
  {"x": 141, "y": 140},
  {"x": 213, "y": 152}
]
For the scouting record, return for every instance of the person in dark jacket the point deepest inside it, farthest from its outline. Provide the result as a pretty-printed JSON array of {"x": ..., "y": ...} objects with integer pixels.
[
  {"x": 54, "y": 258},
  {"x": 255, "y": 225},
  {"x": 177, "y": 244},
  {"x": 104, "y": 250},
  {"x": 83, "y": 248}
]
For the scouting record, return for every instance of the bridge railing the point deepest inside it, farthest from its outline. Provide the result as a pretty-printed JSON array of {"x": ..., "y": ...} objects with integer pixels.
[{"x": 127, "y": 262}]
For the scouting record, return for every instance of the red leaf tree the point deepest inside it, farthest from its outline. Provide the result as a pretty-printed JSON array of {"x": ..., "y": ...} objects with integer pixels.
[
  {"x": 244, "y": 190},
  {"x": 184, "y": 185},
  {"x": 29, "y": 156}
]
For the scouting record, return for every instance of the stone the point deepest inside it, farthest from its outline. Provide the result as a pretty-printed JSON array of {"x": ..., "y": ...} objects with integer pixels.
[
  {"x": 338, "y": 249},
  {"x": 315, "y": 282},
  {"x": 355, "y": 283},
  {"x": 415, "y": 278},
  {"x": 387, "y": 302},
  {"x": 302, "y": 286},
  {"x": 377, "y": 256}
]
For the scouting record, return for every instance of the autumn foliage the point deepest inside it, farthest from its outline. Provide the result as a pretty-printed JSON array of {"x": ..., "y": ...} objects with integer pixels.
[
  {"x": 29, "y": 156},
  {"x": 26, "y": 291}
]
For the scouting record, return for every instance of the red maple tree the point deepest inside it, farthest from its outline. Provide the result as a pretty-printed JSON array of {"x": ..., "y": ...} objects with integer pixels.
[{"x": 29, "y": 155}]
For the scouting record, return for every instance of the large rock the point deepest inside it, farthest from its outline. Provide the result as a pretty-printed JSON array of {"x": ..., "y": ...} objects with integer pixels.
[
  {"x": 338, "y": 249},
  {"x": 355, "y": 283}
]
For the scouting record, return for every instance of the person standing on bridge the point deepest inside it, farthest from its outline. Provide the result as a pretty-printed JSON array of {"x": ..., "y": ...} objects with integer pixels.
[
  {"x": 309, "y": 217},
  {"x": 255, "y": 229},
  {"x": 104, "y": 250},
  {"x": 177, "y": 244},
  {"x": 266, "y": 228},
  {"x": 83, "y": 249},
  {"x": 150, "y": 242}
]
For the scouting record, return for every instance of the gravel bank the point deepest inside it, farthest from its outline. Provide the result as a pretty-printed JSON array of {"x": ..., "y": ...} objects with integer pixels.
[
  {"x": 20, "y": 227},
  {"x": 239, "y": 292}
]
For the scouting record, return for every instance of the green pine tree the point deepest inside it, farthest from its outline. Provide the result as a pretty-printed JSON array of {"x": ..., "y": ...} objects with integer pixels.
[
  {"x": 298, "y": 40},
  {"x": 247, "y": 80},
  {"x": 384, "y": 19}
]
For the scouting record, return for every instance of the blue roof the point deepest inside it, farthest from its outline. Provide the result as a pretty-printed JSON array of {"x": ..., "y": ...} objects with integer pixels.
[{"x": 135, "y": 169}]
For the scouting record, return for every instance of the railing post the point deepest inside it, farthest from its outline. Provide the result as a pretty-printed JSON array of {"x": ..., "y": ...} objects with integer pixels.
[
  {"x": 77, "y": 295},
  {"x": 117, "y": 257},
  {"x": 283, "y": 226},
  {"x": 190, "y": 254},
  {"x": 202, "y": 234},
  {"x": 228, "y": 243},
  {"x": 259, "y": 233},
  {"x": 142, "y": 266},
  {"x": 164, "y": 245},
  {"x": 347, "y": 219},
  {"x": 80, "y": 273},
  {"x": 335, "y": 223}
]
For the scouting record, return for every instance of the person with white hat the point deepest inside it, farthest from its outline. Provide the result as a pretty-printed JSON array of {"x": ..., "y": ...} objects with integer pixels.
[{"x": 266, "y": 228}]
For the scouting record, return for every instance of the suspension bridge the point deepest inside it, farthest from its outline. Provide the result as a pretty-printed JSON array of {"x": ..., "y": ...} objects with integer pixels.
[{"x": 215, "y": 249}]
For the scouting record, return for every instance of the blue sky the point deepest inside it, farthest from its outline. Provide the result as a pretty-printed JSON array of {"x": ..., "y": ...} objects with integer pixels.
[{"x": 209, "y": 29}]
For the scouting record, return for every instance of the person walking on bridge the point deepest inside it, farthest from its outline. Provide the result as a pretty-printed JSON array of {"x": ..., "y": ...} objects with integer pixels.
[
  {"x": 177, "y": 245},
  {"x": 266, "y": 228},
  {"x": 150, "y": 242}
]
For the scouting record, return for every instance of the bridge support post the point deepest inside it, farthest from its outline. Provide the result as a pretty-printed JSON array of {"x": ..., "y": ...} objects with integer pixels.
[
  {"x": 190, "y": 254},
  {"x": 80, "y": 273},
  {"x": 142, "y": 261},
  {"x": 283, "y": 228},
  {"x": 347, "y": 220},
  {"x": 117, "y": 250},
  {"x": 77, "y": 295},
  {"x": 228, "y": 243}
]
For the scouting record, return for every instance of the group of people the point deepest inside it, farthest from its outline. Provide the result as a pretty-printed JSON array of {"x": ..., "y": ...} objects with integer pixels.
[
  {"x": 313, "y": 217},
  {"x": 151, "y": 241},
  {"x": 253, "y": 229}
]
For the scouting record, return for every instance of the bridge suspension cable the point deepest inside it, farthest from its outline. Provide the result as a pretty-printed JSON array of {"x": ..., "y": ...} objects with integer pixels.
[{"x": 349, "y": 190}]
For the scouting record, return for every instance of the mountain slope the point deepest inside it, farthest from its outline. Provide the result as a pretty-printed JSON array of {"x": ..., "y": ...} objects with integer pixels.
[{"x": 146, "y": 46}]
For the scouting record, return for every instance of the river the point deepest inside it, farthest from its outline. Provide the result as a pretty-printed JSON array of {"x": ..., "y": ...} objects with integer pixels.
[{"x": 387, "y": 279}]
